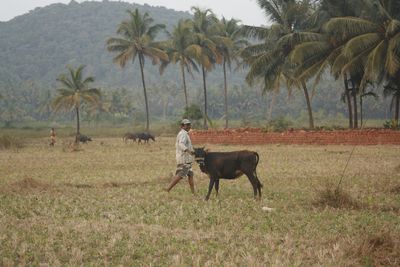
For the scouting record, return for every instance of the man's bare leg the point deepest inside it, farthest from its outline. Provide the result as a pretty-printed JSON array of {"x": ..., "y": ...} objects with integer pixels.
[
  {"x": 191, "y": 183},
  {"x": 176, "y": 180}
]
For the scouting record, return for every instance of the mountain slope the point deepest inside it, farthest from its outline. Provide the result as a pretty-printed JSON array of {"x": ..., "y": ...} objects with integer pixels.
[{"x": 39, "y": 45}]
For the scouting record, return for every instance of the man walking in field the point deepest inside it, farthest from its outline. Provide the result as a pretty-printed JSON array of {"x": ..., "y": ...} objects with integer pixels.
[
  {"x": 52, "y": 137},
  {"x": 184, "y": 156}
]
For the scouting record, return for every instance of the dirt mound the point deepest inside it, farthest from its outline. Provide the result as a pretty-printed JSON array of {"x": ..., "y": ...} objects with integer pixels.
[
  {"x": 27, "y": 184},
  {"x": 379, "y": 249},
  {"x": 336, "y": 198}
]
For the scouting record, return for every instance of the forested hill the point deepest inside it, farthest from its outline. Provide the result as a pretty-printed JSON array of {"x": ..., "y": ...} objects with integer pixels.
[{"x": 39, "y": 45}]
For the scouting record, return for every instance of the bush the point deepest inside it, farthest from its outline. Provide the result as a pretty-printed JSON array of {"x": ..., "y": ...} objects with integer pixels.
[
  {"x": 194, "y": 114},
  {"x": 9, "y": 142},
  {"x": 391, "y": 124},
  {"x": 336, "y": 197},
  {"x": 278, "y": 125}
]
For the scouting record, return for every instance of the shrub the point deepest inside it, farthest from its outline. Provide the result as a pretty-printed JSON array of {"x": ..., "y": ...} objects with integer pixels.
[
  {"x": 335, "y": 198},
  {"x": 278, "y": 125},
  {"x": 391, "y": 124},
  {"x": 9, "y": 142}
]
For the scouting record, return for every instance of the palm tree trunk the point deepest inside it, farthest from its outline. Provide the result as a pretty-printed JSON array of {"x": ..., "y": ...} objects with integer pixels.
[
  {"x": 144, "y": 92},
  {"x": 78, "y": 132},
  {"x": 225, "y": 95},
  {"x": 184, "y": 85},
  {"x": 205, "y": 99},
  {"x": 348, "y": 100},
  {"x": 309, "y": 109},
  {"x": 271, "y": 105},
  {"x": 361, "y": 111},
  {"x": 354, "y": 95},
  {"x": 164, "y": 102},
  {"x": 397, "y": 109}
]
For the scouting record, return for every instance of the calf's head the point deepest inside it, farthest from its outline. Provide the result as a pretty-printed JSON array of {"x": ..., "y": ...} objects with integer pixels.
[{"x": 199, "y": 156}]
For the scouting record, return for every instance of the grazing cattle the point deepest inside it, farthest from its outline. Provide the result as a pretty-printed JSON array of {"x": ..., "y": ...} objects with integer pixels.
[
  {"x": 84, "y": 139},
  {"x": 145, "y": 137},
  {"x": 128, "y": 136},
  {"x": 228, "y": 165}
]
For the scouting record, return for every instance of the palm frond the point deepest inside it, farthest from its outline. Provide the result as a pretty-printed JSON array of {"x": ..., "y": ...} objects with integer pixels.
[
  {"x": 254, "y": 32},
  {"x": 345, "y": 28},
  {"x": 375, "y": 63},
  {"x": 393, "y": 55},
  {"x": 271, "y": 10},
  {"x": 361, "y": 44}
]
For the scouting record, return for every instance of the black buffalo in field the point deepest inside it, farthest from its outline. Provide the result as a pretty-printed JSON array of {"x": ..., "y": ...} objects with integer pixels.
[
  {"x": 145, "y": 137},
  {"x": 84, "y": 138},
  {"x": 130, "y": 136},
  {"x": 228, "y": 165}
]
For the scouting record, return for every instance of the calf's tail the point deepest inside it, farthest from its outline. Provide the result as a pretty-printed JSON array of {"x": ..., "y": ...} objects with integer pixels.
[{"x": 257, "y": 158}]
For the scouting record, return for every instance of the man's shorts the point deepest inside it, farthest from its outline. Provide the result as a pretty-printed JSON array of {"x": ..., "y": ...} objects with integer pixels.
[{"x": 184, "y": 170}]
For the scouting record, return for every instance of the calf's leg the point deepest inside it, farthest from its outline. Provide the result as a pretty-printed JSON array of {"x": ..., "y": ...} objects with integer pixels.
[
  {"x": 217, "y": 186},
  {"x": 253, "y": 182},
  {"x": 259, "y": 184},
  {"x": 210, "y": 187}
]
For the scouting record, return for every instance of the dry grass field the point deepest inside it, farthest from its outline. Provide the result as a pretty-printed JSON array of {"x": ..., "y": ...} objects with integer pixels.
[{"x": 104, "y": 205}]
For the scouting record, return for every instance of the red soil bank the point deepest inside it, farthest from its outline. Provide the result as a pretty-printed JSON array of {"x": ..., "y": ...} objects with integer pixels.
[{"x": 250, "y": 136}]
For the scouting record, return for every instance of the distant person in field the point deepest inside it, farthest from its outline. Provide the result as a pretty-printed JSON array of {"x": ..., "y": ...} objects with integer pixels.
[
  {"x": 184, "y": 156},
  {"x": 52, "y": 137}
]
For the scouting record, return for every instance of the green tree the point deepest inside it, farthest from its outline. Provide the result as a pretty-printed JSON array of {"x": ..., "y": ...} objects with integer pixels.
[
  {"x": 75, "y": 90},
  {"x": 181, "y": 48},
  {"x": 313, "y": 57},
  {"x": 373, "y": 51},
  {"x": 203, "y": 23},
  {"x": 230, "y": 44},
  {"x": 269, "y": 61},
  {"x": 392, "y": 89},
  {"x": 138, "y": 34}
]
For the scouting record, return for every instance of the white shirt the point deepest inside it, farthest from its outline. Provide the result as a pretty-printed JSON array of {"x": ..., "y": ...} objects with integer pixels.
[{"x": 183, "y": 143}]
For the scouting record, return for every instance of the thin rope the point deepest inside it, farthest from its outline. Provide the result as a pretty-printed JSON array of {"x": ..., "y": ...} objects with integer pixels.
[{"x": 348, "y": 160}]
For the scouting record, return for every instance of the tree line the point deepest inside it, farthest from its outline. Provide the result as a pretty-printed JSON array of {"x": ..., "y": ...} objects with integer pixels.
[{"x": 355, "y": 41}]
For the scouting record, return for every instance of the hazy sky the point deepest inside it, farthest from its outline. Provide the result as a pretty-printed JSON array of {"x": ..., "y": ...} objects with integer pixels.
[{"x": 245, "y": 10}]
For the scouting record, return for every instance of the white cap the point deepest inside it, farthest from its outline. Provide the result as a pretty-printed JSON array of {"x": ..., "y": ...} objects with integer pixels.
[{"x": 185, "y": 121}]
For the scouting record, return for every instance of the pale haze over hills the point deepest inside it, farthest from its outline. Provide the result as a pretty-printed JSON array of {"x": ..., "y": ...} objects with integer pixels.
[{"x": 245, "y": 10}]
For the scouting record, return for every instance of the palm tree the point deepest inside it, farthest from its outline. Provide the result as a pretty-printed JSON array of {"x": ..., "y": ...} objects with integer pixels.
[
  {"x": 374, "y": 47},
  {"x": 230, "y": 44},
  {"x": 203, "y": 23},
  {"x": 74, "y": 92},
  {"x": 269, "y": 61},
  {"x": 181, "y": 48},
  {"x": 392, "y": 88},
  {"x": 312, "y": 58},
  {"x": 137, "y": 40}
]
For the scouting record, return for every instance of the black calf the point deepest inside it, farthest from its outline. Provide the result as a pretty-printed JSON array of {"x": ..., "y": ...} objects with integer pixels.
[{"x": 229, "y": 165}]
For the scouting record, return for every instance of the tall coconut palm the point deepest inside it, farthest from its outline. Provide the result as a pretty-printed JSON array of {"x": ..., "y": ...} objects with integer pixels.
[
  {"x": 312, "y": 58},
  {"x": 74, "y": 91},
  {"x": 181, "y": 48},
  {"x": 374, "y": 48},
  {"x": 230, "y": 45},
  {"x": 269, "y": 61},
  {"x": 138, "y": 34},
  {"x": 203, "y": 23}
]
